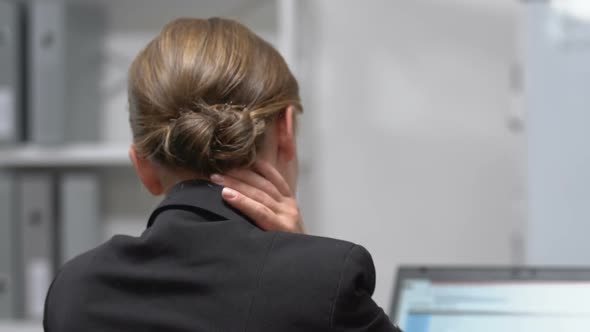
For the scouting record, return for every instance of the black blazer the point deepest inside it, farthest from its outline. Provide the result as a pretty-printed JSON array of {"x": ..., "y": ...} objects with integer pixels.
[{"x": 201, "y": 266}]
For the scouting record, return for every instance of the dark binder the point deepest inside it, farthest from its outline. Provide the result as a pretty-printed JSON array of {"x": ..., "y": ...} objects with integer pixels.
[
  {"x": 46, "y": 119},
  {"x": 38, "y": 228},
  {"x": 11, "y": 131},
  {"x": 9, "y": 257},
  {"x": 11, "y": 72}
]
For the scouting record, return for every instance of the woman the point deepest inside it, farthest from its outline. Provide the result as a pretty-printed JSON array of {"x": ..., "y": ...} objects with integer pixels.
[{"x": 210, "y": 102}]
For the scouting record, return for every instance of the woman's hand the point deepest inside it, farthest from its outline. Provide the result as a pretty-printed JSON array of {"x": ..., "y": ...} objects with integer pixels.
[{"x": 263, "y": 195}]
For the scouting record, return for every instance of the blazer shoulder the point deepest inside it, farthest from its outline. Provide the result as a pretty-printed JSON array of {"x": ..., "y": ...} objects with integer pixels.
[
  {"x": 81, "y": 266},
  {"x": 67, "y": 292},
  {"x": 348, "y": 276},
  {"x": 322, "y": 247},
  {"x": 299, "y": 280},
  {"x": 332, "y": 257},
  {"x": 327, "y": 253},
  {"x": 75, "y": 274},
  {"x": 354, "y": 308}
]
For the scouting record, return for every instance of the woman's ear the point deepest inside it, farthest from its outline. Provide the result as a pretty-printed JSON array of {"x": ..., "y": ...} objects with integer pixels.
[
  {"x": 146, "y": 170},
  {"x": 286, "y": 134}
]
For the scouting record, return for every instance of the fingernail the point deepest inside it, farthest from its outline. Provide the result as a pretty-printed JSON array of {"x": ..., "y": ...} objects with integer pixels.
[
  {"x": 229, "y": 193},
  {"x": 216, "y": 178}
]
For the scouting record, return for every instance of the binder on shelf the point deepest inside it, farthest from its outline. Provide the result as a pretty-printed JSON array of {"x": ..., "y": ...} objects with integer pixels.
[
  {"x": 9, "y": 290},
  {"x": 84, "y": 78},
  {"x": 12, "y": 88},
  {"x": 46, "y": 92},
  {"x": 11, "y": 72},
  {"x": 38, "y": 230},
  {"x": 79, "y": 227}
]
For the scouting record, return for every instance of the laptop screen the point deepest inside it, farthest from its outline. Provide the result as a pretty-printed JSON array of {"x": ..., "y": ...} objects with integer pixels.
[{"x": 456, "y": 304}]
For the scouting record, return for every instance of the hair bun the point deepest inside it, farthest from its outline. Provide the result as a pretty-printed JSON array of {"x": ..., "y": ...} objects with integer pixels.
[
  {"x": 178, "y": 86},
  {"x": 213, "y": 139}
]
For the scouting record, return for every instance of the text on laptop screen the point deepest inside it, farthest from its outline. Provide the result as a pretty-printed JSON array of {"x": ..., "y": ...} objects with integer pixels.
[{"x": 519, "y": 306}]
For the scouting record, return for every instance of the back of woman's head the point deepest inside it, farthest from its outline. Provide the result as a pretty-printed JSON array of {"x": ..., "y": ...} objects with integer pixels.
[{"x": 203, "y": 92}]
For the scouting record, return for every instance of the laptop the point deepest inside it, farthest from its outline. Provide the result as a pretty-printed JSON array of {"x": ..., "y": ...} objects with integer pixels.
[{"x": 503, "y": 299}]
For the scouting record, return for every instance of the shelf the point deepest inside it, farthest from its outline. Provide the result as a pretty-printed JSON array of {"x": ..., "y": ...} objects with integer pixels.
[{"x": 65, "y": 156}]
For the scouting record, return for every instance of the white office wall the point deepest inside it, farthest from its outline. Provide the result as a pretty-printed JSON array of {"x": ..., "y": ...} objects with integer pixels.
[{"x": 407, "y": 102}]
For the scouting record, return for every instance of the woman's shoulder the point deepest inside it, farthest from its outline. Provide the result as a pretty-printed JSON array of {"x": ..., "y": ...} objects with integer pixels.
[
  {"x": 329, "y": 256},
  {"x": 314, "y": 274},
  {"x": 304, "y": 243}
]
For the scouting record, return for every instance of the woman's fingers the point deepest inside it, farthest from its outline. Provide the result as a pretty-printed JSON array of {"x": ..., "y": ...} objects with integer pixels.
[
  {"x": 271, "y": 174},
  {"x": 263, "y": 195},
  {"x": 257, "y": 181},
  {"x": 264, "y": 217},
  {"x": 251, "y": 192}
]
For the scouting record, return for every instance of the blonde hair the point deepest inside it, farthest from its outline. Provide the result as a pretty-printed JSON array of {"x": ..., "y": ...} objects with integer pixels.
[{"x": 203, "y": 92}]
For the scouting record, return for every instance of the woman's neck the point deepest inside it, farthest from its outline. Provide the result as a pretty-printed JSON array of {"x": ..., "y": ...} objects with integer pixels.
[{"x": 171, "y": 177}]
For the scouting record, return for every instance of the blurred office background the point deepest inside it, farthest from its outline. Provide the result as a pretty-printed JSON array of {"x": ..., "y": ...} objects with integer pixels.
[{"x": 434, "y": 132}]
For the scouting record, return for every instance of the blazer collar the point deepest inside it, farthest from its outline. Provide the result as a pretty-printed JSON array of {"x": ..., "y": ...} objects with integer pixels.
[{"x": 198, "y": 196}]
